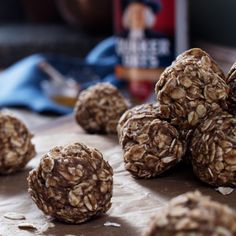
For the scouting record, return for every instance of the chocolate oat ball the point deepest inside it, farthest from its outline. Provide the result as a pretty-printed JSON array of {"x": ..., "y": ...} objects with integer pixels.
[
  {"x": 72, "y": 183},
  {"x": 231, "y": 81},
  {"x": 16, "y": 148},
  {"x": 149, "y": 109},
  {"x": 213, "y": 149},
  {"x": 198, "y": 54},
  {"x": 99, "y": 108},
  {"x": 150, "y": 145},
  {"x": 191, "y": 88},
  {"x": 193, "y": 214}
]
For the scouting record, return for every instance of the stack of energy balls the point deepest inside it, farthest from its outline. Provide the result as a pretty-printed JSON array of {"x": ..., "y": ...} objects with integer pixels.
[{"x": 192, "y": 119}]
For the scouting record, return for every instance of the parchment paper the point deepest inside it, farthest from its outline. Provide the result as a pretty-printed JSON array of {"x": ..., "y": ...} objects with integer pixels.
[{"x": 134, "y": 200}]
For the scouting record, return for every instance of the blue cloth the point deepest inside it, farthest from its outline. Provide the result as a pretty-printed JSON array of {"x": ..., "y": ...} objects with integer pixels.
[{"x": 20, "y": 84}]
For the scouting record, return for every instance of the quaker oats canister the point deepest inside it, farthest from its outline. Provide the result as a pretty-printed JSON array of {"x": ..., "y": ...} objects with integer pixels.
[{"x": 149, "y": 33}]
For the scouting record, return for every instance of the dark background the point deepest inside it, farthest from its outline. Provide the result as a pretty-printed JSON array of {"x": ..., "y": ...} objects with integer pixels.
[
  {"x": 72, "y": 27},
  {"x": 65, "y": 27},
  {"x": 213, "y": 20}
]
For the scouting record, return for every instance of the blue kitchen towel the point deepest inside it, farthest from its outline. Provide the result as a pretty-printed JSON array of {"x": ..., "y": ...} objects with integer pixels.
[{"x": 20, "y": 84}]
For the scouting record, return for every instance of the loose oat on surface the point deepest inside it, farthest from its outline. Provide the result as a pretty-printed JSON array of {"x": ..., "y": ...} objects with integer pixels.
[
  {"x": 14, "y": 216},
  {"x": 191, "y": 88},
  {"x": 111, "y": 224},
  {"x": 150, "y": 145},
  {"x": 193, "y": 214},
  {"x": 27, "y": 226},
  {"x": 72, "y": 183},
  {"x": 16, "y": 148},
  {"x": 225, "y": 190},
  {"x": 213, "y": 150},
  {"x": 99, "y": 108}
]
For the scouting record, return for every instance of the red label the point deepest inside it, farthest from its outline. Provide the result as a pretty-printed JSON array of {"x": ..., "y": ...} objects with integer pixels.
[{"x": 145, "y": 46}]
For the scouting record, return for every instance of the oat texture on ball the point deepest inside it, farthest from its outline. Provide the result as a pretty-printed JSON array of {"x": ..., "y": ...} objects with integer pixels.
[
  {"x": 191, "y": 88},
  {"x": 72, "y": 183},
  {"x": 99, "y": 108},
  {"x": 16, "y": 148},
  {"x": 150, "y": 145},
  {"x": 213, "y": 149},
  {"x": 198, "y": 54},
  {"x": 149, "y": 109},
  {"x": 231, "y": 81},
  {"x": 193, "y": 214}
]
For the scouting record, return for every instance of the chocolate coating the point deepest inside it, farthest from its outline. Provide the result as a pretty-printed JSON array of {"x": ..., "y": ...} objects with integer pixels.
[
  {"x": 191, "y": 88},
  {"x": 99, "y": 108},
  {"x": 16, "y": 148},
  {"x": 213, "y": 149},
  {"x": 150, "y": 145},
  {"x": 72, "y": 183},
  {"x": 231, "y": 82},
  {"x": 149, "y": 109},
  {"x": 193, "y": 214}
]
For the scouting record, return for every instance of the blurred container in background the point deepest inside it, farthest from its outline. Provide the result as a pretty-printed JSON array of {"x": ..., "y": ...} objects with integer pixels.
[{"x": 149, "y": 35}]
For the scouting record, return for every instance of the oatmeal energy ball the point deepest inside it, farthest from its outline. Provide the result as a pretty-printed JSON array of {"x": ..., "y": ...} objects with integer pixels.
[
  {"x": 149, "y": 109},
  {"x": 198, "y": 54},
  {"x": 193, "y": 214},
  {"x": 99, "y": 108},
  {"x": 150, "y": 145},
  {"x": 72, "y": 183},
  {"x": 213, "y": 149},
  {"x": 231, "y": 81},
  {"x": 16, "y": 149},
  {"x": 191, "y": 88}
]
